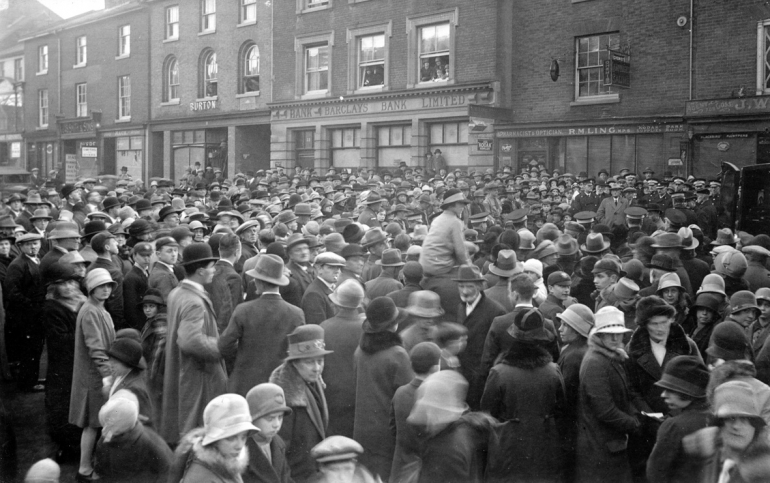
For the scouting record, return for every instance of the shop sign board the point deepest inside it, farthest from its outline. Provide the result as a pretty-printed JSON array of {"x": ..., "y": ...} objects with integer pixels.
[
  {"x": 617, "y": 69},
  {"x": 484, "y": 144},
  {"x": 77, "y": 127},
  {"x": 591, "y": 130},
  {"x": 120, "y": 134},
  {"x": 728, "y": 107},
  {"x": 71, "y": 167},
  {"x": 203, "y": 105},
  {"x": 88, "y": 150},
  {"x": 383, "y": 106},
  {"x": 16, "y": 149}
]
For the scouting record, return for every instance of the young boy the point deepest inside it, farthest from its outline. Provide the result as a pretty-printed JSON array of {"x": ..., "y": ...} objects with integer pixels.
[
  {"x": 452, "y": 338},
  {"x": 684, "y": 384},
  {"x": 267, "y": 450}
]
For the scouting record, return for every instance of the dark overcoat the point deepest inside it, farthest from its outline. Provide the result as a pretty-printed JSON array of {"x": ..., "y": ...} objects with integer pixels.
[
  {"x": 260, "y": 470},
  {"x": 134, "y": 288},
  {"x": 138, "y": 455},
  {"x": 226, "y": 292},
  {"x": 316, "y": 303}
]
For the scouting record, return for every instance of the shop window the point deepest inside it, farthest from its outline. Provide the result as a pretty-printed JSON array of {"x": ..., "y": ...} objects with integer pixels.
[
  {"x": 18, "y": 69},
  {"x": 81, "y": 100},
  {"x": 591, "y": 52},
  {"x": 449, "y": 133},
  {"x": 208, "y": 75},
  {"x": 208, "y": 15},
  {"x": 42, "y": 59},
  {"x": 124, "y": 41},
  {"x": 124, "y": 97},
  {"x": 42, "y": 108},
  {"x": 248, "y": 11},
  {"x": 304, "y": 148},
  {"x": 249, "y": 68},
  {"x": 394, "y": 145},
  {"x": 172, "y": 22},
  {"x": 345, "y": 147},
  {"x": 171, "y": 80},
  {"x": 81, "y": 51},
  {"x": 316, "y": 69},
  {"x": 371, "y": 60},
  {"x": 129, "y": 154},
  {"x": 434, "y": 53}
]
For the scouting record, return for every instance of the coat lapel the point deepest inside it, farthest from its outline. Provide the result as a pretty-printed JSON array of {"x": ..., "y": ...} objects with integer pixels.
[
  {"x": 319, "y": 416},
  {"x": 188, "y": 286}
]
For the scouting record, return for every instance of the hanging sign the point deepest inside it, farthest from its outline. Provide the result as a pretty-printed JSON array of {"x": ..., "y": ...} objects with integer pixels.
[
  {"x": 484, "y": 144},
  {"x": 617, "y": 69}
]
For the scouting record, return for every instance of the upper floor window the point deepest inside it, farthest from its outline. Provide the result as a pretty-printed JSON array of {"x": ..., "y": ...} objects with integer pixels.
[
  {"x": 18, "y": 69},
  {"x": 248, "y": 11},
  {"x": 313, "y": 4},
  {"x": 171, "y": 80},
  {"x": 249, "y": 69},
  {"x": 316, "y": 69},
  {"x": 172, "y": 22},
  {"x": 208, "y": 74},
  {"x": 124, "y": 97},
  {"x": 434, "y": 52},
  {"x": 81, "y": 100},
  {"x": 591, "y": 53},
  {"x": 124, "y": 40},
  {"x": 208, "y": 15},
  {"x": 42, "y": 59},
  {"x": 371, "y": 60},
  {"x": 42, "y": 108},
  {"x": 81, "y": 50}
]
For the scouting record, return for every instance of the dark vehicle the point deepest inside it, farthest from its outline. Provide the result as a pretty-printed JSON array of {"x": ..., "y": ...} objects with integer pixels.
[
  {"x": 13, "y": 180},
  {"x": 745, "y": 196}
]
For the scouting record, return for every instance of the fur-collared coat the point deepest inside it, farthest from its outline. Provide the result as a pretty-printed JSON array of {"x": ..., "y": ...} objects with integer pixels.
[
  {"x": 195, "y": 463},
  {"x": 605, "y": 416},
  {"x": 526, "y": 390},
  {"x": 306, "y": 426},
  {"x": 644, "y": 371}
]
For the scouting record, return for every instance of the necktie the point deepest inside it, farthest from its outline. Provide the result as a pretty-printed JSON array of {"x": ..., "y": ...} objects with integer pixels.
[{"x": 616, "y": 202}]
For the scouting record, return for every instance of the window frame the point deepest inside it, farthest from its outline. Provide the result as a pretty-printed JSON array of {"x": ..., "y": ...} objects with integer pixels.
[
  {"x": 608, "y": 97},
  {"x": 168, "y": 87},
  {"x": 78, "y": 104},
  {"x": 124, "y": 97},
  {"x": 763, "y": 63},
  {"x": 124, "y": 48},
  {"x": 245, "y": 6},
  {"x": 307, "y": 6},
  {"x": 42, "y": 108},
  {"x": 81, "y": 51},
  {"x": 353, "y": 38},
  {"x": 460, "y": 126},
  {"x": 42, "y": 58},
  {"x": 169, "y": 25},
  {"x": 301, "y": 44},
  {"x": 207, "y": 16},
  {"x": 414, "y": 26},
  {"x": 18, "y": 69},
  {"x": 205, "y": 77},
  {"x": 243, "y": 61}
]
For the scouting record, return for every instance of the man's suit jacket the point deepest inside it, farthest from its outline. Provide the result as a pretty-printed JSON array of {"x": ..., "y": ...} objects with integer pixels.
[
  {"x": 401, "y": 297},
  {"x": 226, "y": 291},
  {"x": 25, "y": 290},
  {"x": 24, "y": 220},
  {"x": 114, "y": 304},
  {"x": 303, "y": 277},
  {"x": 382, "y": 286},
  {"x": 134, "y": 287},
  {"x": 48, "y": 260},
  {"x": 316, "y": 303},
  {"x": 610, "y": 214},
  {"x": 163, "y": 279}
]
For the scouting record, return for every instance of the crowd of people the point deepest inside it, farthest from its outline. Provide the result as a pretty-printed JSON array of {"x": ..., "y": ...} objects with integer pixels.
[{"x": 410, "y": 325}]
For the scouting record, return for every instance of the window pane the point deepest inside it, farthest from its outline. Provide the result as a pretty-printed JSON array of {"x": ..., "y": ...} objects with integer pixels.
[
  {"x": 397, "y": 135},
  {"x": 349, "y": 139},
  {"x": 252, "y": 61},
  {"x": 407, "y": 135},
  {"x": 123, "y": 144},
  {"x": 442, "y": 37},
  {"x": 383, "y": 136},
  {"x": 200, "y": 136},
  {"x": 462, "y": 136},
  {"x": 136, "y": 142},
  {"x": 337, "y": 138},
  {"x": 436, "y": 134},
  {"x": 427, "y": 39},
  {"x": 450, "y": 133}
]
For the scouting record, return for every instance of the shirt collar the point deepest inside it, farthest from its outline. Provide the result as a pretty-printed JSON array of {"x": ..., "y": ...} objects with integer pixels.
[
  {"x": 194, "y": 284},
  {"x": 330, "y": 285},
  {"x": 473, "y": 304}
]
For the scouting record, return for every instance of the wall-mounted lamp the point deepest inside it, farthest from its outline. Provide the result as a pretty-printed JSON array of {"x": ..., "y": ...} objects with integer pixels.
[{"x": 554, "y": 70}]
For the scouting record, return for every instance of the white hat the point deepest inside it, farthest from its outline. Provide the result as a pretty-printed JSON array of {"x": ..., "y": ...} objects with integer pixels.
[
  {"x": 535, "y": 266},
  {"x": 610, "y": 320}
]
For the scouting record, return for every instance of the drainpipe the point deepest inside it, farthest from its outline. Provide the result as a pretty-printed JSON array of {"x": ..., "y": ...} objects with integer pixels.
[{"x": 691, "y": 46}]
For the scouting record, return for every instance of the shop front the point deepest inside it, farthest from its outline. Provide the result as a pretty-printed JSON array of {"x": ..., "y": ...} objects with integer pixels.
[
  {"x": 734, "y": 130},
  {"x": 590, "y": 147},
  {"x": 43, "y": 150},
  {"x": 11, "y": 153},
  {"x": 383, "y": 130}
]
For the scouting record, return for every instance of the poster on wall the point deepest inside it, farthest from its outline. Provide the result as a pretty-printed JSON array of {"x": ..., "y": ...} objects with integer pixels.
[
  {"x": 88, "y": 164},
  {"x": 70, "y": 167},
  {"x": 15, "y": 149}
]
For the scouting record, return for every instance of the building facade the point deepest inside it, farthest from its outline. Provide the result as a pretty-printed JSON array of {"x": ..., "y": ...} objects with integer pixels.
[
  {"x": 81, "y": 112},
  {"x": 211, "y": 82},
  {"x": 376, "y": 84}
]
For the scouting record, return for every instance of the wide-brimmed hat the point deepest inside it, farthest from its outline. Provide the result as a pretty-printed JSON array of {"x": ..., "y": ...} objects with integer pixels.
[
  {"x": 424, "y": 303},
  {"x": 453, "y": 196},
  {"x": 381, "y": 315},
  {"x": 738, "y": 399},
  {"x": 595, "y": 243},
  {"x": 668, "y": 240},
  {"x": 669, "y": 280},
  {"x": 350, "y": 250},
  {"x": 724, "y": 237},
  {"x": 226, "y": 416},
  {"x": 372, "y": 237},
  {"x": 506, "y": 265},
  {"x": 743, "y": 300},
  {"x": 566, "y": 245},
  {"x": 6, "y": 221},
  {"x": 33, "y": 199},
  {"x": 687, "y": 375},
  {"x": 269, "y": 268},
  {"x": 528, "y": 326},
  {"x": 307, "y": 341},
  {"x": 40, "y": 214},
  {"x": 349, "y": 294},
  {"x": 440, "y": 400},
  {"x": 610, "y": 320},
  {"x": 390, "y": 258},
  {"x": 265, "y": 399},
  {"x": 168, "y": 210},
  {"x": 579, "y": 317},
  {"x": 661, "y": 261},
  {"x": 196, "y": 253},
  {"x": 129, "y": 352},
  {"x": 28, "y": 237},
  {"x": 98, "y": 277},
  {"x": 689, "y": 242},
  {"x": 373, "y": 198},
  {"x": 468, "y": 273},
  {"x": 607, "y": 265}
]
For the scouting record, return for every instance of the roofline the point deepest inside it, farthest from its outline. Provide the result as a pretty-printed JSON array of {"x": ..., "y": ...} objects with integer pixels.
[{"x": 56, "y": 28}]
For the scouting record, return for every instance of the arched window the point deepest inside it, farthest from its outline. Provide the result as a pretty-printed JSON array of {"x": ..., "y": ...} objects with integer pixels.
[
  {"x": 249, "y": 68},
  {"x": 208, "y": 74},
  {"x": 171, "y": 80}
]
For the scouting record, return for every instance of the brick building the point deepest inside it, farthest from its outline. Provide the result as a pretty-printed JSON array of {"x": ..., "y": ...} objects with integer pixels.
[
  {"x": 81, "y": 113},
  {"x": 211, "y": 81},
  {"x": 377, "y": 83},
  {"x": 17, "y": 18}
]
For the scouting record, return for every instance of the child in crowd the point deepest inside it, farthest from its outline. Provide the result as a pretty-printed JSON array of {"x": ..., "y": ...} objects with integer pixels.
[{"x": 267, "y": 450}]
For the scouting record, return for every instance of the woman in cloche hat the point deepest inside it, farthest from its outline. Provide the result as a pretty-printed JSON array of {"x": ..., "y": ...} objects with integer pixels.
[
  {"x": 300, "y": 378},
  {"x": 217, "y": 451}
]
